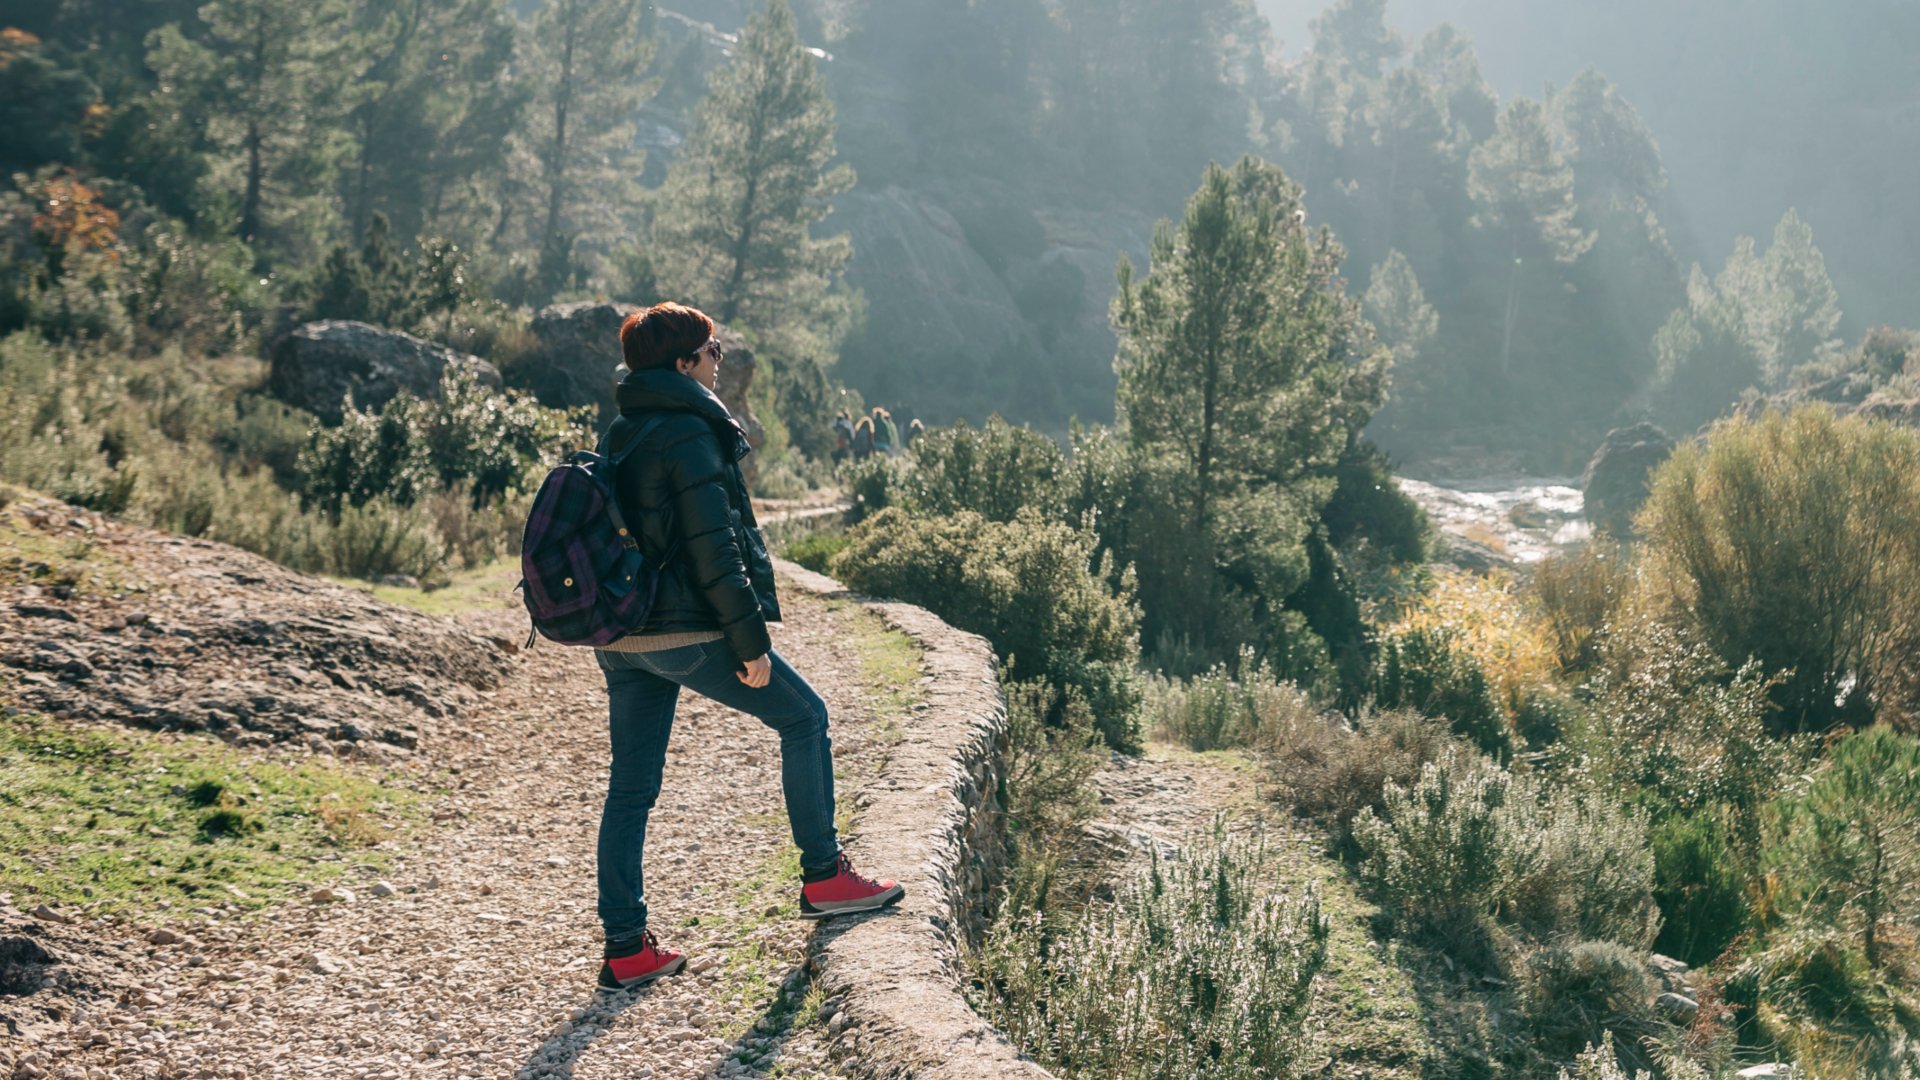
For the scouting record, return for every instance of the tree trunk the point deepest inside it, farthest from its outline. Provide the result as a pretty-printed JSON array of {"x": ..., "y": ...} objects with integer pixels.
[
  {"x": 1513, "y": 286},
  {"x": 557, "y": 150}
]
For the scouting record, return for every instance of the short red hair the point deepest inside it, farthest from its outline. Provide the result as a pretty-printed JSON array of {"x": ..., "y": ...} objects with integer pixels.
[{"x": 663, "y": 333}]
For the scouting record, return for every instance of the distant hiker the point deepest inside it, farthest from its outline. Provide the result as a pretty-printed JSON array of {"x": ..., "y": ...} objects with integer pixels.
[
  {"x": 842, "y": 436},
  {"x": 863, "y": 438},
  {"x": 681, "y": 490},
  {"x": 915, "y": 429},
  {"x": 886, "y": 437}
]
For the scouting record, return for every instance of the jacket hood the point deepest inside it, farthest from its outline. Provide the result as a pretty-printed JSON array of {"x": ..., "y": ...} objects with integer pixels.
[{"x": 656, "y": 389}]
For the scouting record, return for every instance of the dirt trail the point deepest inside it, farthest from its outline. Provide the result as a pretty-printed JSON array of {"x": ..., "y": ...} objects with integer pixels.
[{"x": 474, "y": 954}]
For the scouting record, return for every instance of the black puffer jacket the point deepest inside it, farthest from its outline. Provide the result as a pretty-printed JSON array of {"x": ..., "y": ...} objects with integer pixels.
[{"x": 682, "y": 485}]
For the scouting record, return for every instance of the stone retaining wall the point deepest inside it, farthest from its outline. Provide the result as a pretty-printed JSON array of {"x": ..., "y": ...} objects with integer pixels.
[{"x": 932, "y": 821}]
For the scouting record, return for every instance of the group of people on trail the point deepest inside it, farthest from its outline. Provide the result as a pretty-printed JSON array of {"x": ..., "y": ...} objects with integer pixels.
[
  {"x": 872, "y": 434},
  {"x": 679, "y": 487}
]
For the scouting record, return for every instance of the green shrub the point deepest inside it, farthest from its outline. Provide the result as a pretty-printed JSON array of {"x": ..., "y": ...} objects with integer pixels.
[
  {"x": 409, "y": 448},
  {"x": 381, "y": 538},
  {"x": 1584, "y": 869},
  {"x": 1700, "y": 877},
  {"x": 997, "y": 471},
  {"x": 1215, "y": 710},
  {"x": 1342, "y": 773},
  {"x": 1192, "y": 971},
  {"x": 1812, "y": 994},
  {"x": 1853, "y": 840},
  {"x": 1681, "y": 732},
  {"x": 1469, "y": 841},
  {"x": 872, "y": 485},
  {"x": 1030, "y": 587},
  {"x": 815, "y": 551},
  {"x": 1582, "y": 994},
  {"x": 1795, "y": 540},
  {"x": 1369, "y": 510},
  {"x": 1426, "y": 668},
  {"x": 1440, "y": 856}
]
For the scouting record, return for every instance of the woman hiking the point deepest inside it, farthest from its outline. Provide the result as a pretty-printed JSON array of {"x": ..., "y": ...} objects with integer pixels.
[{"x": 706, "y": 631}]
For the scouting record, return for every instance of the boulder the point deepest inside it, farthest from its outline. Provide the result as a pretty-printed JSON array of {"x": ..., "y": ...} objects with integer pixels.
[
  {"x": 578, "y": 362},
  {"x": 321, "y": 365},
  {"x": 1615, "y": 483}
]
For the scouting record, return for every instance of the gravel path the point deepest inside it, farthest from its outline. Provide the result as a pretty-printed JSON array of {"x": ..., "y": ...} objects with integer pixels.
[{"x": 475, "y": 954}]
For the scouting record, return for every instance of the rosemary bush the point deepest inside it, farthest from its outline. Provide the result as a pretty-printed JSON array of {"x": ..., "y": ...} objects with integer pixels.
[{"x": 1193, "y": 971}]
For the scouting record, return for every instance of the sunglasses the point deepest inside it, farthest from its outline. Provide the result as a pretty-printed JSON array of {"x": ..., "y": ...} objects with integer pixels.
[{"x": 711, "y": 348}]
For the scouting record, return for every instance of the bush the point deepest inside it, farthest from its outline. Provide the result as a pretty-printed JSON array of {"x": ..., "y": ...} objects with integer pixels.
[
  {"x": 1336, "y": 776},
  {"x": 381, "y": 538},
  {"x": 1215, "y": 711},
  {"x": 1681, "y": 732},
  {"x": 1585, "y": 870},
  {"x": 1583, "y": 994},
  {"x": 1369, "y": 510},
  {"x": 1581, "y": 595},
  {"x": 1699, "y": 881},
  {"x": 872, "y": 485},
  {"x": 1192, "y": 971},
  {"x": 1853, "y": 840},
  {"x": 1030, "y": 587},
  {"x": 1812, "y": 994},
  {"x": 997, "y": 471},
  {"x": 1440, "y": 856},
  {"x": 1795, "y": 540},
  {"x": 1428, "y": 670},
  {"x": 815, "y": 551},
  {"x": 1485, "y": 617},
  {"x": 1469, "y": 841},
  {"x": 410, "y": 448}
]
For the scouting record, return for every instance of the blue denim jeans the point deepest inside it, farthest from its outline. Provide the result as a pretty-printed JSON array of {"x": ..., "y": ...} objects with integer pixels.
[{"x": 642, "y": 690}]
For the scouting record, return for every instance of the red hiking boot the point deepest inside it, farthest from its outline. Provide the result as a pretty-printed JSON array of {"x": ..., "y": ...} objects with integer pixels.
[
  {"x": 640, "y": 967},
  {"x": 845, "y": 893}
]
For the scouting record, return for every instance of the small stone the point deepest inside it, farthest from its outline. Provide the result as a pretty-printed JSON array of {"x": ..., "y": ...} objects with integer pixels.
[
  {"x": 703, "y": 965},
  {"x": 163, "y": 936},
  {"x": 326, "y": 965},
  {"x": 1772, "y": 1070},
  {"x": 485, "y": 889},
  {"x": 556, "y": 861},
  {"x": 1678, "y": 1007},
  {"x": 46, "y": 914},
  {"x": 323, "y": 895},
  {"x": 683, "y": 1035},
  {"x": 136, "y": 618},
  {"x": 433, "y": 882},
  {"x": 381, "y": 888}
]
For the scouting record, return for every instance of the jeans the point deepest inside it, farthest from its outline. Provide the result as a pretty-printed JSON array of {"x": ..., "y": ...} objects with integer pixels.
[{"x": 642, "y": 690}]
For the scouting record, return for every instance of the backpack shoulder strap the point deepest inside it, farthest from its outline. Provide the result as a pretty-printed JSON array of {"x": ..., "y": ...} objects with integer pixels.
[{"x": 622, "y": 438}]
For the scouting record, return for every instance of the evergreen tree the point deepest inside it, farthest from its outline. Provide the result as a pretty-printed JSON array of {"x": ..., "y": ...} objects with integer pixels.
[
  {"x": 1523, "y": 188},
  {"x": 1244, "y": 374},
  {"x": 1399, "y": 311},
  {"x": 1800, "y": 322},
  {"x": 1354, "y": 33},
  {"x": 587, "y": 61},
  {"x": 431, "y": 106},
  {"x": 1445, "y": 59},
  {"x": 263, "y": 82},
  {"x": 731, "y": 226},
  {"x": 1750, "y": 326}
]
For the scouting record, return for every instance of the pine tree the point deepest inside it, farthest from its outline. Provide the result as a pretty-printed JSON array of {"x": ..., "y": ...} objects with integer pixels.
[
  {"x": 262, "y": 79},
  {"x": 1244, "y": 373},
  {"x": 1399, "y": 311},
  {"x": 431, "y": 106},
  {"x": 731, "y": 225},
  {"x": 1801, "y": 321},
  {"x": 1523, "y": 188},
  {"x": 587, "y": 61}
]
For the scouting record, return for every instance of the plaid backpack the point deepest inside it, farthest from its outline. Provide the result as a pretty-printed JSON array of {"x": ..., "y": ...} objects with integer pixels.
[{"x": 583, "y": 576}]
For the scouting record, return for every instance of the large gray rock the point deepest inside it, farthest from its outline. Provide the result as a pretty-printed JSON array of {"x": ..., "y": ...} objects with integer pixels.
[
  {"x": 1615, "y": 483},
  {"x": 578, "y": 362},
  {"x": 320, "y": 365},
  {"x": 977, "y": 302}
]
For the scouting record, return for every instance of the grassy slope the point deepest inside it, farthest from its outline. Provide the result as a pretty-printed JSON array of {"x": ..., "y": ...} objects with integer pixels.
[{"x": 129, "y": 823}]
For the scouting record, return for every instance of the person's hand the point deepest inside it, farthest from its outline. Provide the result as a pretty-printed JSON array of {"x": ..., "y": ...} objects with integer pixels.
[{"x": 757, "y": 673}]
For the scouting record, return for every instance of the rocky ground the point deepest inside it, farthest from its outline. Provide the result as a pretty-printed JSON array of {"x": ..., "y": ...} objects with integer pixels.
[{"x": 473, "y": 952}]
